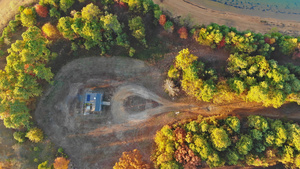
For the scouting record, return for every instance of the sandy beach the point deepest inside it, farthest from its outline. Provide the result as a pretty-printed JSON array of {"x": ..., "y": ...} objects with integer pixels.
[{"x": 201, "y": 14}]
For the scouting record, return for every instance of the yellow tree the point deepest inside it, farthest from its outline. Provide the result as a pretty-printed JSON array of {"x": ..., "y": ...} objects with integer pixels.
[
  {"x": 35, "y": 135},
  {"x": 131, "y": 160},
  {"x": 50, "y": 30},
  {"x": 185, "y": 59}
]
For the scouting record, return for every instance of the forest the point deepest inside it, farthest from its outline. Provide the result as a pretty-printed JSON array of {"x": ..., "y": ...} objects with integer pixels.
[
  {"x": 251, "y": 74},
  {"x": 217, "y": 141}
]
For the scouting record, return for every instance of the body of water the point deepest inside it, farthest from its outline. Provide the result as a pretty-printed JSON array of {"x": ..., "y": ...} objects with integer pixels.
[
  {"x": 279, "y": 9},
  {"x": 277, "y": 6}
]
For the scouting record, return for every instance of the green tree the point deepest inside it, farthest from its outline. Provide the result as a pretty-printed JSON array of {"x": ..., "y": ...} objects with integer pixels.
[
  {"x": 220, "y": 139},
  {"x": 64, "y": 27},
  {"x": 244, "y": 145},
  {"x": 111, "y": 23},
  {"x": 201, "y": 146},
  {"x": 28, "y": 17},
  {"x": 138, "y": 30},
  {"x": 19, "y": 136},
  {"x": 90, "y": 12},
  {"x": 17, "y": 120},
  {"x": 234, "y": 123},
  {"x": 232, "y": 157},
  {"x": 258, "y": 122},
  {"x": 65, "y": 4},
  {"x": 214, "y": 160},
  {"x": 256, "y": 134}
]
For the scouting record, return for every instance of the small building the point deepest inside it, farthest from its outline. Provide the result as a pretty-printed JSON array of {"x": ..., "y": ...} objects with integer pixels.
[{"x": 93, "y": 102}]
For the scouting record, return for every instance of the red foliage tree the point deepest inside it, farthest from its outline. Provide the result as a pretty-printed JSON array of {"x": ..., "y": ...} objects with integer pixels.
[
  {"x": 187, "y": 157},
  {"x": 183, "y": 33},
  {"x": 42, "y": 11},
  {"x": 121, "y": 4},
  {"x": 222, "y": 43},
  {"x": 180, "y": 134},
  {"x": 162, "y": 20}
]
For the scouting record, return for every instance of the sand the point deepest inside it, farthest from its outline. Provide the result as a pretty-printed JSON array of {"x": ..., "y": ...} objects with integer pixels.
[
  {"x": 9, "y": 8},
  {"x": 201, "y": 14}
]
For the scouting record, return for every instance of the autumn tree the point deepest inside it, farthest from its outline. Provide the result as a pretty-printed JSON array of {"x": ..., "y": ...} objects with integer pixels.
[
  {"x": 131, "y": 160},
  {"x": 61, "y": 163},
  {"x": 162, "y": 20},
  {"x": 183, "y": 33},
  {"x": 42, "y": 11},
  {"x": 187, "y": 157},
  {"x": 50, "y": 30},
  {"x": 35, "y": 135}
]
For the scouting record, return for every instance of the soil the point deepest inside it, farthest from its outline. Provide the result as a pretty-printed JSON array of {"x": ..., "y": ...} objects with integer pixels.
[
  {"x": 200, "y": 14},
  {"x": 139, "y": 107}
]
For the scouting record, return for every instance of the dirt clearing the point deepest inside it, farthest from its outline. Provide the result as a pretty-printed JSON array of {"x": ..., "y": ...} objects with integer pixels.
[{"x": 139, "y": 107}]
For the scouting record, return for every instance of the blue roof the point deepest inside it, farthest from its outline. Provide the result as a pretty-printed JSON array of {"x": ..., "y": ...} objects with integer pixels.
[
  {"x": 98, "y": 102},
  {"x": 88, "y": 98}
]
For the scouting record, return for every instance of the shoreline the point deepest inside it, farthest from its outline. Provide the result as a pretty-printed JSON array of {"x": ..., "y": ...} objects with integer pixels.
[
  {"x": 251, "y": 12},
  {"x": 203, "y": 15}
]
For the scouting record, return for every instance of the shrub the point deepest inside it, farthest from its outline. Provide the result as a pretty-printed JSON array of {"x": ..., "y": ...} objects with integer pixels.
[
  {"x": 54, "y": 13},
  {"x": 183, "y": 33},
  {"x": 19, "y": 136},
  {"x": 162, "y": 20}
]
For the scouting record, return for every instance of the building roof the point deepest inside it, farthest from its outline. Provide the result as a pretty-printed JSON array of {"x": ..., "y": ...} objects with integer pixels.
[{"x": 95, "y": 99}]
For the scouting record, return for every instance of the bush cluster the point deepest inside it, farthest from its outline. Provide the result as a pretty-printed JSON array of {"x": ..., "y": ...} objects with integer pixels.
[
  {"x": 253, "y": 78},
  {"x": 217, "y": 142}
]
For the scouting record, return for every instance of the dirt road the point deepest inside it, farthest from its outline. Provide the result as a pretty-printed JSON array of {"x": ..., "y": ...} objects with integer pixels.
[{"x": 203, "y": 15}]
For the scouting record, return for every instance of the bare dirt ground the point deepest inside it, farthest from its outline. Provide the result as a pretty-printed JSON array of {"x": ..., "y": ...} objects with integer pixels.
[
  {"x": 9, "y": 8},
  {"x": 98, "y": 140},
  {"x": 203, "y": 15}
]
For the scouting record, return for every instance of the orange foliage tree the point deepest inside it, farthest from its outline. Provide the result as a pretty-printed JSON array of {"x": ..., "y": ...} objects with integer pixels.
[
  {"x": 183, "y": 33},
  {"x": 131, "y": 160},
  {"x": 162, "y": 20},
  {"x": 42, "y": 11},
  {"x": 50, "y": 30},
  {"x": 61, "y": 163}
]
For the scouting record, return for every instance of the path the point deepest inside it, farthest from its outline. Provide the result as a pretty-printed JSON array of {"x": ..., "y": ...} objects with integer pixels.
[{"x": 121, "y": 116}]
